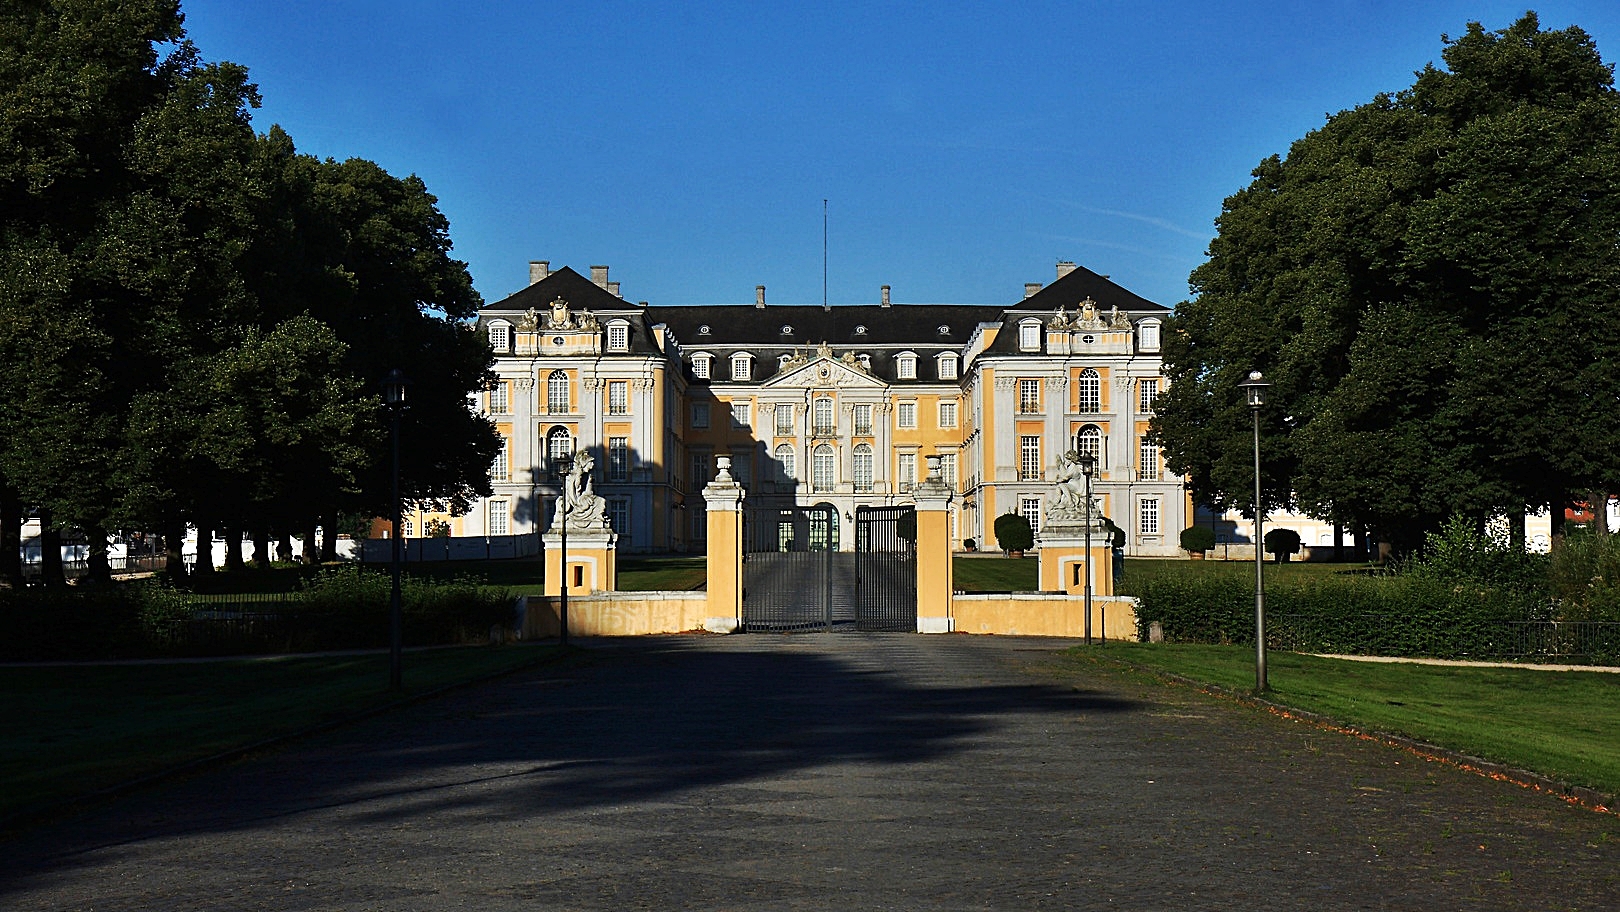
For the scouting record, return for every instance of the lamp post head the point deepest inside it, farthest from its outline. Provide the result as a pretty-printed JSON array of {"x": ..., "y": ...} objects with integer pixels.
[
  {"x": 1254, "y": 389},
  {"x": 393, "y": 387},
  {"x": 1088, "y": 464}
]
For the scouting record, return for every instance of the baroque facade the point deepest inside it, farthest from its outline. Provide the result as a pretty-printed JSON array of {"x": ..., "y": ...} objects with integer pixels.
[{"x": 814, "y": 404}]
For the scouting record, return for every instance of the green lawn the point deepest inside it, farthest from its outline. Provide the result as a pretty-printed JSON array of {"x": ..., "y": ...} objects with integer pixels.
[
  {"x": 523, "y": 576},
  {"x": 1555, "y": 723},
  {"x": 70, "y": 730}
]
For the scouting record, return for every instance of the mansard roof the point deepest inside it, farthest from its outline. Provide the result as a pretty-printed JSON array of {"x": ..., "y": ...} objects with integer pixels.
[
  {"x": 580, "y": 293},
  {"x": 1080, "y": 284},
  {"x": 844, "y": 325}
]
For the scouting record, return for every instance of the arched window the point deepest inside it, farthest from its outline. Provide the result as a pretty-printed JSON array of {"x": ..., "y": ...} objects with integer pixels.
[
  {"x": 822, "y": 468},
  {"x": 500, "y": 336},
  {"x": 618, "y": 336},
  {"x": 559, "y": 444},
  {"x": 947, "y": 367},
  {"x": 905, "y": 366},
  {"x": 558, "y": 395},
  {"x": 700, "y": 365},
  {"x": 1089, "y": 440},
  {"x": 1090, "y": 389},
  {"x": 1147, "y": 335},
  {"x": 742, "y": 366},
  {"x": 784, "y": 463},
  {"x": 863, "y": 468}
]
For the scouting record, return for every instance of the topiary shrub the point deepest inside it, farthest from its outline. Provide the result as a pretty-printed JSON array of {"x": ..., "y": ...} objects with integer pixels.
[
  {"x": 1197, "y": 539},
  {"x": 1282, "y": 542},
  {"x": 1014, "y": 533}
]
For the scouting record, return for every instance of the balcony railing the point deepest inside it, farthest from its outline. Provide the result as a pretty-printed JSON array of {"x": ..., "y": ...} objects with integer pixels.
[
  {"x": 863, "y": 430},
  {"x": 824, "y": 430}
]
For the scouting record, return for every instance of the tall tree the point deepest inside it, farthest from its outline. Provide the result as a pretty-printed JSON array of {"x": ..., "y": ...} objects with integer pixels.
[{"x": 1429, "y": 282}]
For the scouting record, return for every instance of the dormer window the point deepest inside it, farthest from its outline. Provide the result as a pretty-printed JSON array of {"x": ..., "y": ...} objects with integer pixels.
[
  {"x": 500, "y": 336},
  {"x": 865, "y": 360},
  {"x": 1029, "y": 335},
  {"x": 905, "y": 366},
  {"x": 742, "y": 366},
  {"x": 618, "y": 336},
  {"x": 947, "y": 367},
  {"x": 782, "y": 361},
  {"x": 1147, "y": 335},
  {"x": 700, "y": 365}
]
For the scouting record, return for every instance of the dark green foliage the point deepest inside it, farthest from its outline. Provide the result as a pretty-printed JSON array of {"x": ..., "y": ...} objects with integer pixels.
[
  {"x": 1391, "y": 274},
  {"x": 1282, "y": 542},
  {"x": 1585, "y": 577},
  {"x": 1197, "y": 538},
  {"x": 1014, "y": 533}
]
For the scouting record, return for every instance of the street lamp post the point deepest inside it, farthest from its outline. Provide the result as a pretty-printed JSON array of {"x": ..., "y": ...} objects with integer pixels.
[
  {"x": 1255, "y": 390},
  {"x": 394, "y": 395},
  {"x": 564, "y": 464},
  {"x": 1088, "y": 468}
]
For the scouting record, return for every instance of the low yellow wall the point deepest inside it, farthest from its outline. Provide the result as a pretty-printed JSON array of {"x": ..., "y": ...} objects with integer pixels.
[
  {"x": 617, "y": 614},
  {"x": 1041, "y": 614}
]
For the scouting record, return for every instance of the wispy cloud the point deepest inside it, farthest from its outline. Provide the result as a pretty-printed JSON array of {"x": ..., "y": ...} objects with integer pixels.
[
  {"x": 1164, "y": 224},
  {"x": 1114, "y": 245}
]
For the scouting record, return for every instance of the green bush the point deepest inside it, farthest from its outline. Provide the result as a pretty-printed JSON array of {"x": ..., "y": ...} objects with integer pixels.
[
  {"x": 1197, "y": 538},
  {"x": 1584, "y": 576},
  {"x": 1282, "y": 542},
  {"x": 1014, "y": 533}
]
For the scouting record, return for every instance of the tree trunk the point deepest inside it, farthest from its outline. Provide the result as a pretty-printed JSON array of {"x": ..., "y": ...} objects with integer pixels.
[
  {"x": 174, "y": 551},
  {"x": 205, "y": 549},
  {"x": 1600, "y": 512},
  {"x": 261, "y": 548},
  {"x": 312, "y": 554},
  {"x": 98, "y": 566},
  {"x": 329, "y": 537},
  {"x": 1516, "y": 533},
  {"x": 1559, "y": 505},
  {"x": 50, "y": 552},
  {"x": 233, "y": 548},
  {"x": 11, "y": 518},
  {"x": 1338, "y": 541},
  {"x": 284, "y": 552}
]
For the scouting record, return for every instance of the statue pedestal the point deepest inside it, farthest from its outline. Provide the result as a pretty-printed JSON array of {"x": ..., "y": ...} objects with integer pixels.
[
  {"x": 592, "y": 564},
  {"x": 1065, "y": 563}
]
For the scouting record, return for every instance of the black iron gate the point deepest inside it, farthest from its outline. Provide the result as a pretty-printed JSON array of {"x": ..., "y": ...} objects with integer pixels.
[
  {"x": 788, "y": 572},
  {"x": 886, "y": 568}
]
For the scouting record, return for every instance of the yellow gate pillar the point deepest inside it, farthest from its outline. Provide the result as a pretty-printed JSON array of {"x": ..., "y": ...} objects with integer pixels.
[
  {"x": 935, "y": 582},
  {"x": 722, "y": 499}
]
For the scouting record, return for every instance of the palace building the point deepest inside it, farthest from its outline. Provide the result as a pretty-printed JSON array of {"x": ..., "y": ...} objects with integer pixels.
[{"x": 834, "y": 405}]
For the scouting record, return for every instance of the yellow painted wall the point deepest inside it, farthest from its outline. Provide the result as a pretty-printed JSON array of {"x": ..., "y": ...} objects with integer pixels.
[
  {"x": 618, "y": 614},
  {"x": 1033, "y": 614}
]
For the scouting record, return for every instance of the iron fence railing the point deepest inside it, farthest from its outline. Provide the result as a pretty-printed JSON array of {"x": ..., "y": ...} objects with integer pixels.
[{"x": 1580, "y": 642}]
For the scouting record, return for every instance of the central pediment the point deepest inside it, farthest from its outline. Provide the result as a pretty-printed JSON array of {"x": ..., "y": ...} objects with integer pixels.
[{"x": 823, "y": 371}]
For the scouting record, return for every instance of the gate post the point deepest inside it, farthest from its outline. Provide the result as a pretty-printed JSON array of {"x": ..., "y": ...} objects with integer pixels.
[
  {"x": 935, "y": 581},
  {"x": 722, "y": 499}
]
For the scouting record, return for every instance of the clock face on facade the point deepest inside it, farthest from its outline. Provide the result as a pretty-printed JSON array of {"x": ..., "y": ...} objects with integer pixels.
[{"x": 825, "y": 371}]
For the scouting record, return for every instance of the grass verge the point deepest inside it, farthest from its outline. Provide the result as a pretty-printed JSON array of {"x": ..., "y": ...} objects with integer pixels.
[
  {"x": 1553, "y": 723},
  {"x": 69, "y": 731}
]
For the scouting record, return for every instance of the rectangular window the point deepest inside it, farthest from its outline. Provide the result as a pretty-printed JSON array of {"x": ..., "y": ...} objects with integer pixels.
[
  {"x": 863, "y": 420},
  {"x": 1147, "y": 391},
  {"x": 500, "y": 337},
  {"x": 498, "y": 401},
  {"x": 498, "y": 512},
  {"x": 906, "y": 415},
  {"x": 1029, "y": 335},
  {"x": 502, "y": 469},
  {"x": 906, "y": 367},
  {"x": 740, "y": 367},
  {"x": 947, "y": 367},
  {"x": 618, "y": 516},
  {"x": 618, "y": 397},
  {"x": 1030, "y": 509},
  {"x": 1029, "y": 396},
  {"x": 702, "y": 468},
  {"x": 1150, "y": 516},
  {"x": 618, "y": 337},
  {"x": 742, "y": 466},
  {"x": 784, "y": 419},
  {"x": 947, "y": 468},
  {"x": 821, "y": 468},
  {"x": 618, "y": 459},
  {"x": 700, "y": 414},
  {"x": 824, "y": 418},
  {"x": 740, "y": 413},
  {"x": 1147, "y": 468},
  {"x": 906, "y": 470},
  {"x": 1029, "y": 459},
  {"x": 947, "y": 414}
]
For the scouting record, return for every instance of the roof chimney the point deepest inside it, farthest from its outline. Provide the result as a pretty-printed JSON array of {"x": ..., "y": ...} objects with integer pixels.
[
  {"x": 613, "y": 289},
  {"x": 538, "y": 270},
  {"x": 1064, "y": 268},
  {"x": 1030, "y": 288},
  {"x": 885, "y": 296},
  {"x": 599, "y": 276},
  {"x": 759, "y": 295}
]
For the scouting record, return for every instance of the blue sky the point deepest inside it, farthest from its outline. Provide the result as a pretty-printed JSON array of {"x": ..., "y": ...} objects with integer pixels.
[{"x": 963, "y": 148}]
